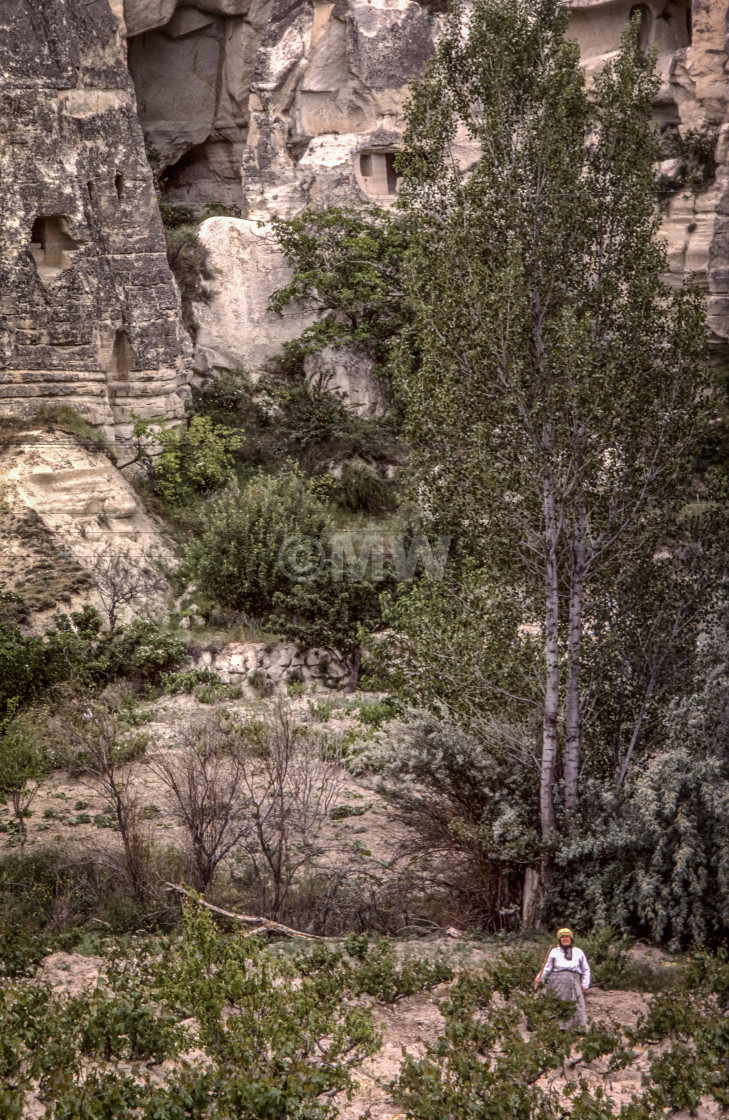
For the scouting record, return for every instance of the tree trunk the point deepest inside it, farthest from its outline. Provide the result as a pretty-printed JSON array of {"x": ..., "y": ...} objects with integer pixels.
[
  {"x": 353, "y": 663},
  {"x": 531, "y": 898},
  {"x": 551, "y": 651},
  {"x": 573, "y": 722}
]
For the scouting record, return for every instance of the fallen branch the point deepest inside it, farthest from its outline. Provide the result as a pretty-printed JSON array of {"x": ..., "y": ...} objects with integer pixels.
[{"x": 263, "y": 925}]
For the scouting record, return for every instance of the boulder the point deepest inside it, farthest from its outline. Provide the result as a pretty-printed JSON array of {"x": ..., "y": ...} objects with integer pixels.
[
  {"x": 237, "y": 331},
  {"x": 347, "y": 371}
]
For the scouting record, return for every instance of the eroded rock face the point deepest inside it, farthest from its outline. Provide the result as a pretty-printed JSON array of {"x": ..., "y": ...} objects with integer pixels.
[
  {"x": 89, "y": 312},
  {"x": 193, "y": 69},
  {"x": 62, "y": 506},
  {"x": 690, "y": 40},
  {"x": 236, "y": 329},
  {"x": 274, "y": 105}
]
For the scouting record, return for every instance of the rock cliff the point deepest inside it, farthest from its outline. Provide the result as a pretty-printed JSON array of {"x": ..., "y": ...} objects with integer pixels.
[
  {"x": 89, "y": 312},
  {"x": 691, "y": 43},
  {"x": 275, "y": 105}
]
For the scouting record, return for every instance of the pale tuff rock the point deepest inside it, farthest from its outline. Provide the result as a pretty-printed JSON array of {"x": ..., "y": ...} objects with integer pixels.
[
  {"x": 89, "y": 312},
  {"x": 270, "y": 104},
  {"x": 348, "y": 373},
  {"x": 236, "y": 329},
  {"x": 81, "y": 503},
  {"x": 193, "y": 69},
  {"x": 692, "y": 58}
]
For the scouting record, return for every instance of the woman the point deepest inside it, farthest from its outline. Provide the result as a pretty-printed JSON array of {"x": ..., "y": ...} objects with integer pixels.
[{"x": 567, "y": 974}]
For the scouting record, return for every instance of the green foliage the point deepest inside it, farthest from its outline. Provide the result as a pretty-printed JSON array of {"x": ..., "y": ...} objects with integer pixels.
[
  {"x": 653, "y": 859},
  {"x": 50, "y": 418},
  {"x": 220, "y": 210},
  {"x": 261, "y": 1019},
  {"x": 473, "y": 809},
  {"x": 561, "y": 389},
  {"x": 361, "y": 488},
  {"x": 373, "y": 713},
  {"x": 194, "y": 459},
  {"x": 189, "y": 260},
  {"x": 188, "y": 680},
  {"x": 24, "y": 763},
  {"x": 175, "y": 215},
  {"x": 347, "y": 268},
  {"x": 235, "y": 560},
  {"x": 697, "y": 148},
  {"x": 75, "y": 651},
  {"x": 292, "y": 418}
]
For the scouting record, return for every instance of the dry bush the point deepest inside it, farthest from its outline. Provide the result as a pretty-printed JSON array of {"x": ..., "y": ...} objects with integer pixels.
[
  {"x": 207, "y": 778},
  {"x": 260, "y": 793},
  {"x": 103, "y": 756},
  {"x": 120, "y": 580},
  {"x": 290, "y": 789}
]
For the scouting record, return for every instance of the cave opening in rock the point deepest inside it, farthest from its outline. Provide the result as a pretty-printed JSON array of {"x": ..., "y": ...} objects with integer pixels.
[
  {"x": 51, "y": 245},
  {"x": 119, "y": 184},
  {"x": 646, "y": 24},
  {"x": 677, "y": 15},
  {"x": 377, "y": 173},
  {"x": 121, "y": 362},
  {"x": 91, "y": 188}
]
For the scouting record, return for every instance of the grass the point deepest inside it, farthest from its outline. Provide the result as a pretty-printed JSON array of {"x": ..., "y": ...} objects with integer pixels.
[{"x": 52, "y": 418}]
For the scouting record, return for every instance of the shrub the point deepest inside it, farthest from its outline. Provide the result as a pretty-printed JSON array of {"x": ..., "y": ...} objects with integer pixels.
[
  {"x": 469, "y": 806},
  {"x": 361, "y": 489},
  {"x": 188, "y": 260},
  {"x": 183, "y": 462},
  {"x": 291, "y": 418},
  {"x": 235, "y": 561}
]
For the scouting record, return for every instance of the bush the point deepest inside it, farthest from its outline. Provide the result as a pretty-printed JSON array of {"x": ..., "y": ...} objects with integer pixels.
[
  {"x": 655, "y": 861},
  {"x": 235, "y": 561},
  {"x": 469, "y": 807},
  {"x": 291, "y": 418},
  {"x": 187, "y": 461},
  {"x": 188, "y": 260}
]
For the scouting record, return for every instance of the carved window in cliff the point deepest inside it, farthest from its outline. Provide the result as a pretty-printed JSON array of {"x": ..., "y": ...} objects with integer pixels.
[
  {"x": 376, "y": 174},
  {"x": 121, "y": 362},
  {"x": 646, "y": 24},
  {"x": 674, "y": 25},
  {"x": 51, "y": 245},
  {"x": 119, "y": 184}
]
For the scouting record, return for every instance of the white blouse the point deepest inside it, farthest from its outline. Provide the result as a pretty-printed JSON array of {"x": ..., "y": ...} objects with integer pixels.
[{"x": 557, "y": 962}]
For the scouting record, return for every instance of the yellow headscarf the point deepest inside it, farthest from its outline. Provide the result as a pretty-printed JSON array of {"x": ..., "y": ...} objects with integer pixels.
[{"x": 564, "y": 932}]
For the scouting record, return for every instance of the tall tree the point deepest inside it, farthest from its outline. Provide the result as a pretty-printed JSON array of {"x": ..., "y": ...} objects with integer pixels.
[{"x": 560, "y": 387}]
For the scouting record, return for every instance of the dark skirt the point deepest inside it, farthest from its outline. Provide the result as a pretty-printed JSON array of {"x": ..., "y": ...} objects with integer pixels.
[{"x": 568, "y": 985}]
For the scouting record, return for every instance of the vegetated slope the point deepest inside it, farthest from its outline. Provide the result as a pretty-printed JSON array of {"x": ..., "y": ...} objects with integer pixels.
[{"x": 212, "y": 1024}]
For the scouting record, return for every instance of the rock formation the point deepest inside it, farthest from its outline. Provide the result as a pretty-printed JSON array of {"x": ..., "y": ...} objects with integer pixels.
[
  {"x": 89, "y": 312},
  {"x": 276, "y": 105},
  {"x": 691, "y": 43},
  {"x": 236, "y": 329},
  {"x": 64, "y": 507}
]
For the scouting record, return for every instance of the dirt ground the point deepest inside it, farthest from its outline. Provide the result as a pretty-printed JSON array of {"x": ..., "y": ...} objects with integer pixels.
[{"x": 69, "y": 813}]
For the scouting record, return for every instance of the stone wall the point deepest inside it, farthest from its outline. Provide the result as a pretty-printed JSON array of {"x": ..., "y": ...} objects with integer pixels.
[
  {"x": 89, "y": 312},
  {"x": 261, "y": 668}
]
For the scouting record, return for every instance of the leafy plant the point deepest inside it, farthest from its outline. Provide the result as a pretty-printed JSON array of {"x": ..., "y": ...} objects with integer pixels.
[{"x": 347, "y": 267}]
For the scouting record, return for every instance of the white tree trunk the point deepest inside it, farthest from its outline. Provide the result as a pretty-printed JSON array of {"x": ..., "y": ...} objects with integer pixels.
[{"x": 551, "y": 689}]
